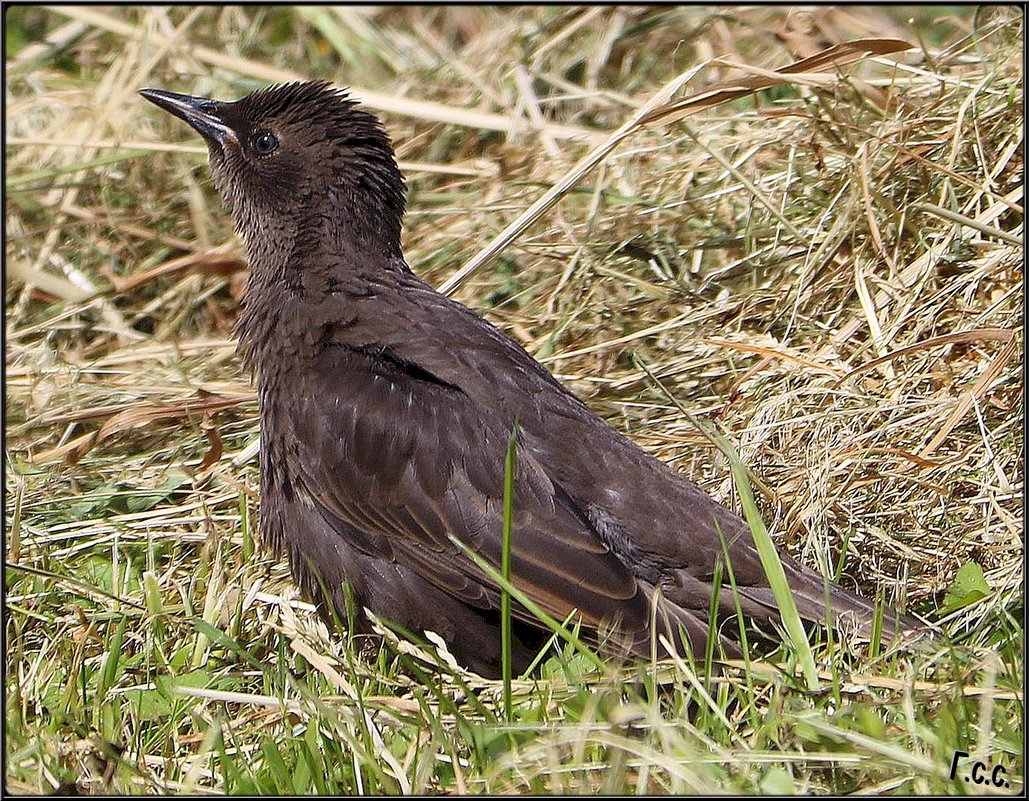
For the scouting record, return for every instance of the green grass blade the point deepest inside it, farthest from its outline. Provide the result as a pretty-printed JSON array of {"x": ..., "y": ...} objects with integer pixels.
[
  {"x": 773, "y": 568},
  {"x": 554, "y": 625},
  {"x": 49, "y": 174},
  {"x": 216, "y": 636},
  {"x": 505, "y": 569},
  {"x": 763, "y": 542}
]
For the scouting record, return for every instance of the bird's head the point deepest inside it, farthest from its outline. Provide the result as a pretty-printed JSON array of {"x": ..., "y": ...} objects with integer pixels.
[{"x": 297, "y": 150}]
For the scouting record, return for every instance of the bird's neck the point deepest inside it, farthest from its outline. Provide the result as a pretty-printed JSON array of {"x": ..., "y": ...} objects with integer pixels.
[{"x": 309, "y": 268}]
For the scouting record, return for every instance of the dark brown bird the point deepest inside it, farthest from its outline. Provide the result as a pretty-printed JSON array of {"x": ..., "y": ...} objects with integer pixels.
[{"x": 387, "y": 408}]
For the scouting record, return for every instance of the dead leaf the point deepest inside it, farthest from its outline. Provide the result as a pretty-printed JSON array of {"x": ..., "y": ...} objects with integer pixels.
[
  {"x": 136, "y": 417},
  {"x": 807, "y": 70},
  {"x": 972, "y": 335},
  {"x": 211, "y": 261},
  {"x": 214, "y": 453}
]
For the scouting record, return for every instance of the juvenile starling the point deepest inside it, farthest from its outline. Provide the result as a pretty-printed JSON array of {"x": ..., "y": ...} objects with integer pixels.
[{"x": 387, "y": 409}]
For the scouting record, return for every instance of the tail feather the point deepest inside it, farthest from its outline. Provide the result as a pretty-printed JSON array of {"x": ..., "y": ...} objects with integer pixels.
[{"x": 821, "y": 601}]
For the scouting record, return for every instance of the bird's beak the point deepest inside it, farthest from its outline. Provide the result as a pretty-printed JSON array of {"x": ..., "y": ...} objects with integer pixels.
[{"x": 200, "y": 112}]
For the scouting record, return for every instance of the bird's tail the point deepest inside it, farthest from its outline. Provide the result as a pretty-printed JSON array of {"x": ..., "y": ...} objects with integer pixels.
[{"x": 819, "y": 600}]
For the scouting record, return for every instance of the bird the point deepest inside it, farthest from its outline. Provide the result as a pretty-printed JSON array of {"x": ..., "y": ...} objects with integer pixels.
[{"x": 387, "y": 410}]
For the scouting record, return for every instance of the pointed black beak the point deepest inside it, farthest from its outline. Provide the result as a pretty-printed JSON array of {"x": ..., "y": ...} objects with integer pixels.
[{"x": 200, "y": 112}]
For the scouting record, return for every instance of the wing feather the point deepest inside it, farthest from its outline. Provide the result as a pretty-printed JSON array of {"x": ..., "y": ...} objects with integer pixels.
[{"x": 413, "y": 460}]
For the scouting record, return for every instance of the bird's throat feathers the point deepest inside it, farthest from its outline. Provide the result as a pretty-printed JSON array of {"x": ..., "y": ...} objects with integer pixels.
[{"x": 317, "y": 259}]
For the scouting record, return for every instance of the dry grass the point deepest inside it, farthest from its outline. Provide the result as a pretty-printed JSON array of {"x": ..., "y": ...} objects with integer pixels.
[{"x": 832, "y": 274}]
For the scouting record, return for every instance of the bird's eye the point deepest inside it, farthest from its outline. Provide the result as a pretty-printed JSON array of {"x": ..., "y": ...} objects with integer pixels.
[{"x": 264, "y": 142}]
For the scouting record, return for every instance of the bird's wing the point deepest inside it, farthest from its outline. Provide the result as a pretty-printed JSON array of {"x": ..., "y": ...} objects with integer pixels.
[
  {"x": 388, "y": 448},
  {"x": 656, "y": 520},
  {"x": 668, "y": 529}
]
